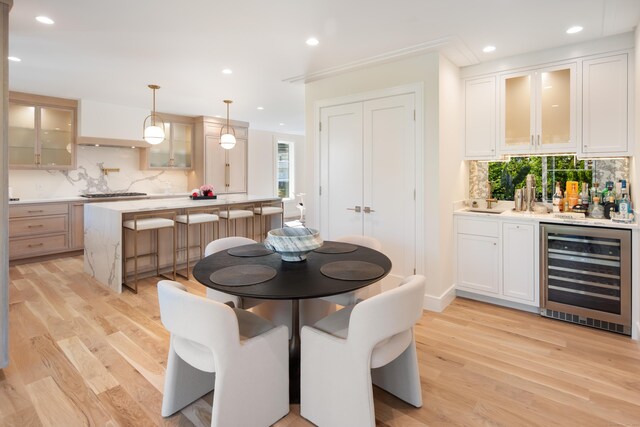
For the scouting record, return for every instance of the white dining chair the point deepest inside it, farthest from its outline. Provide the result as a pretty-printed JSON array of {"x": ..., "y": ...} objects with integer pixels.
[
  {"x": 220, "y": 245},
  {"x": 351, "y": 298},
  {"x": 213, "y": 346},
  {"x": 346, "y": 351}
]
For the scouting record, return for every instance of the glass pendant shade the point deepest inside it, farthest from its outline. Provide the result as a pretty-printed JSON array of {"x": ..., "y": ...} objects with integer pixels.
[
  {"x": 227, "y": 134},
  {"x": 227, "y": 141},
  {"x": 153, "y": 133}
]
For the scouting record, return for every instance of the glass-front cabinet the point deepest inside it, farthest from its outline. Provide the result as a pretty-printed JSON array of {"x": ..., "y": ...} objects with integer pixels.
[
  {"x": 538, "y": 111},
  {"x": 41, "y": 134},
  {"x": 175, "y": 152}
]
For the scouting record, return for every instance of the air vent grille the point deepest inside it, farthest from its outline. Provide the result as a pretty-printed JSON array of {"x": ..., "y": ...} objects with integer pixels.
[{"x": 586, "y": 321}]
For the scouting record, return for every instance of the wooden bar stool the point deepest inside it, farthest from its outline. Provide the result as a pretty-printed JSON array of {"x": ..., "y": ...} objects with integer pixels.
[
  {"x": 199, "y": 217},
  {"x": 266, "y": 209},
  {"x": 236, "y": 212},
  {"x": 141, "y": 223}
]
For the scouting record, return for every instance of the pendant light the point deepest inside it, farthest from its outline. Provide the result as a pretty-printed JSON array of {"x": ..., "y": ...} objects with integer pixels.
[
  {"x": 227, "y": 133},
  {"x": 153, "y": 131}
]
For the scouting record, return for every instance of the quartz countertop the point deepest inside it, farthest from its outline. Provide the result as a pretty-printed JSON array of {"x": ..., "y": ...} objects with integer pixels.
[{"x": 509, "y": 213}]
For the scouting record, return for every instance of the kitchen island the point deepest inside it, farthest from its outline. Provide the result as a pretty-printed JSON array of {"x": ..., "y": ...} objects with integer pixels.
[{"x": 103, "y": 237}]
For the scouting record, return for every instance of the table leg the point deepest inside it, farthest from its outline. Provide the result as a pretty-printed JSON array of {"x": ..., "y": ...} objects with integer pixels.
[{"x": 294, "y": 353}]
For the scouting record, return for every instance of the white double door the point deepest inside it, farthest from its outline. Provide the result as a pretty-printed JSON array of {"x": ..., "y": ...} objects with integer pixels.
[{"x": 367, "y": 175}]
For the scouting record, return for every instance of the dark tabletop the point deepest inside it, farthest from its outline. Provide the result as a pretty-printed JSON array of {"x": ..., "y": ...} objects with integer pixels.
[{"x": 294, "y": 280}]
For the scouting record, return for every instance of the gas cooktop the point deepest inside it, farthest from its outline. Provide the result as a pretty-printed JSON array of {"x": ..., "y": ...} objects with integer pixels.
[{"x": 99, "y": 195}]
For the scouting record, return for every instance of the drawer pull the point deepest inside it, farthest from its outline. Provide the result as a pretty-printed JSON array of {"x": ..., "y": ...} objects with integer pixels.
[
  {"x": 35, "y": 226},
  {"x": 36, "y": 245},
  {"x": 36, "y": 211}
]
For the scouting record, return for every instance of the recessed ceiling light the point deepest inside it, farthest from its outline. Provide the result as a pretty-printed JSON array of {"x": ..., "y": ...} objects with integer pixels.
[
  {"x": 44, "y": 20},
  {"x": 260, "y": 108},
  {"x": 488, "y": 49},
  {"x": 281, "y": 124},
  {"x": 574, "y": 29},
  {"x": 14, "y": 59},
  {"x": 218, "y": 116},
  {"x": 312, "y": 41},
  {"x": 227, "y": 71}
]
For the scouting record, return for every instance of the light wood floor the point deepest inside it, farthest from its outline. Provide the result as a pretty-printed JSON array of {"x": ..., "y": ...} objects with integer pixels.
[{"x": 81, "y": 355}]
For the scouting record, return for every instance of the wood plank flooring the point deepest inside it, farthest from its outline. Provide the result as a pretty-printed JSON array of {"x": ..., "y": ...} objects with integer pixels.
[{"x": 82, "y": 355}]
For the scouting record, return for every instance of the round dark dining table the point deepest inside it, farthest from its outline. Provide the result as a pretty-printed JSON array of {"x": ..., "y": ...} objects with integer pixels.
[{"x": 293, "y": 281}]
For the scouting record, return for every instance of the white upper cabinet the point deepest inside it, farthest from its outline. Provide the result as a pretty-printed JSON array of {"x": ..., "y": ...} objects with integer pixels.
[
  {"x": 605, "y": 100},
  {"x": 480, "y": 119},
  {"x": 538, "y": 110}
]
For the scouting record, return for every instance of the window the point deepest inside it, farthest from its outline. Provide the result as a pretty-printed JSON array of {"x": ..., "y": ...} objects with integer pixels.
[
  {"x": 505, "y": 177},
  {"x": 284, "y": 169}
]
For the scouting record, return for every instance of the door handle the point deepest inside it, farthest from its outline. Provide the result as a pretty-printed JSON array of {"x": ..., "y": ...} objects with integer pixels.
[
  {"x": 357, "y": 209},
  {"x": 367, "y": 209}
]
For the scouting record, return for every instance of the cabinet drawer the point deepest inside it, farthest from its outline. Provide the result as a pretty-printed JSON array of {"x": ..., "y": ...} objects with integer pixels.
[
  {"x": 32, "y": 246},
  {"x": 38, "y": 210},
  {"x": 478, "y": 227},
  {"x": 37, "y": 226}
]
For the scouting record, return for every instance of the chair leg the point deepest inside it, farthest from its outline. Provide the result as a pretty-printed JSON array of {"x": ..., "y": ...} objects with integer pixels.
[
  {"x": 183, "y": 384},
  {"x": 135, "y": 262},
  {"x": 401, "y": 377}
]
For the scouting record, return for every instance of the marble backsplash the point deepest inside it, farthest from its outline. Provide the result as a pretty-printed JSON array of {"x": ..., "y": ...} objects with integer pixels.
[
  {"x": 88, "y": 177},
  {"x": 604, "y": 170}
]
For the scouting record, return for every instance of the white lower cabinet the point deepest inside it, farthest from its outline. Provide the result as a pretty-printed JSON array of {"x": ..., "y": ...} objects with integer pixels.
[
  {"x": 497, "y": 258},
  {"x": 519, "y": 275}
]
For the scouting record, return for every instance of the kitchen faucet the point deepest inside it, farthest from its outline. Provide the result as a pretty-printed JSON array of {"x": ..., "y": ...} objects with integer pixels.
[{"x": 489, "y": 198}]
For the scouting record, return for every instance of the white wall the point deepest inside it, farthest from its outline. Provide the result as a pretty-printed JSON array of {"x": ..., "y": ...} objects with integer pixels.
[
  {"x": 438, "y": 155},
  {"x": 262, "y": 165}
]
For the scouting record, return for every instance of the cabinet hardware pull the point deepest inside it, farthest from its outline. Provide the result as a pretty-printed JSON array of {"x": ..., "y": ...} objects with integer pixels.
[
  {"x": 35, "y": 226},
  {"x": 36, "y": 211},
  {"x": 538, "y": 140},
  {"x": 36, "y": 245},
  {"x": 367, "y": 209},
  {"x": 532, "y": 140},
  {"x": 357, "y": 209}
]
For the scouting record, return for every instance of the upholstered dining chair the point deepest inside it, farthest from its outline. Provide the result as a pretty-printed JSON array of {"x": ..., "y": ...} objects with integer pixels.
[
  {"x": 351, "y": 298},
  {"x": 371, "y": 341},
  {"x": 220, "y": 245},
  {"x": 213, "y": 346}
]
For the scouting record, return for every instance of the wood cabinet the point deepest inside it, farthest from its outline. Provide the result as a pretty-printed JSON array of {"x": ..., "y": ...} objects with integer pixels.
[
  {"x": 42, "y": 132},
  {"x": 480, "y": 118},
  {"x": 225, "y": 169},
  {"x": 519, "y": 275},
  {"x": 477, "y": 244},
  {"x": 38, "y": 229},
  {"x": 605, "y": 107},
  {"x": 538, "y": 110},
  {"x": 177, "y": 149},
  {"x": 496, "y": 258}
]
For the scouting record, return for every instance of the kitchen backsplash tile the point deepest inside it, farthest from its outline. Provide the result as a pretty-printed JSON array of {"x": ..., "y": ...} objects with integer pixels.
[
  {"x": 604, "y": 170},
  {"x": 88, "y": 177}
]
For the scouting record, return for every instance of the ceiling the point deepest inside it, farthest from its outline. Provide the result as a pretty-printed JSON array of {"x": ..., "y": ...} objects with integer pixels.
[{"x": 109, "y": 51}]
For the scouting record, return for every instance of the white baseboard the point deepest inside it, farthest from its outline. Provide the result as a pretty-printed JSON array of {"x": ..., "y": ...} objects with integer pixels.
[{"x": 439, "y": 303}]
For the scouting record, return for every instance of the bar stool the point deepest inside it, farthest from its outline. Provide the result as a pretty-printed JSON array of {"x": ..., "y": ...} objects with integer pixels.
[
  {"x": 199, "y": 217},
  {"x": 238, "y": 212},
  {"x": 266, "y": 209},
  {"x": 146, "y": 222}
]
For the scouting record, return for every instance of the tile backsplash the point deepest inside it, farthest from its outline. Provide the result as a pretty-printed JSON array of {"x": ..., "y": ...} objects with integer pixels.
[
  {"x": 604, "y": 170},
  {"x": 88, "y": 177}
]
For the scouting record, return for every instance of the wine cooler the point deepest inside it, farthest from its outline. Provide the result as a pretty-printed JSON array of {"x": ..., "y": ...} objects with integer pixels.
[{"x": 586, "y": 276}]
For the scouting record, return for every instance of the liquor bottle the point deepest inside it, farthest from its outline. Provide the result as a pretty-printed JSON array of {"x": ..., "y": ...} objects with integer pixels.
[
  {"x": 624, "y": 209},
  {"x": 557, "y": 198},
  {"x": 610, "y": 206}
]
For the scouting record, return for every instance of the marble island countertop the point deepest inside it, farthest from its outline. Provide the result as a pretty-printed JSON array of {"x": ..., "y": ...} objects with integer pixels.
[
  {"x": 128, "y": 206},
  {"x": 95, "y": 200}
]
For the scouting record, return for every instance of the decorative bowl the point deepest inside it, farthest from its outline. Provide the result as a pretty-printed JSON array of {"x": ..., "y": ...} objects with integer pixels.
[{"x": 293, "y": 243}]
